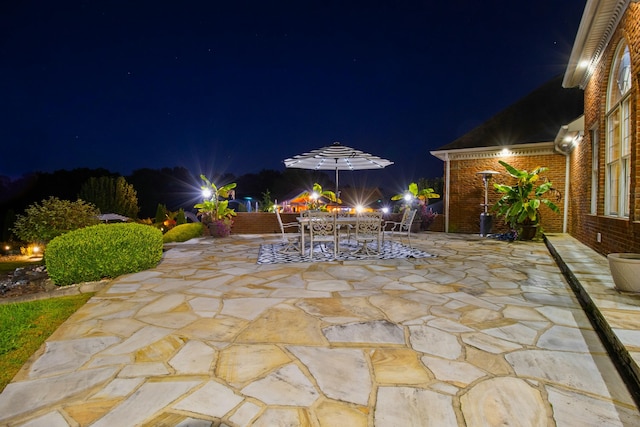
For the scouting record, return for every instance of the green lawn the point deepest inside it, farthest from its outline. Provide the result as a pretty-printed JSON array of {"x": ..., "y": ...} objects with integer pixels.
[{"x": 25, "y": 326}]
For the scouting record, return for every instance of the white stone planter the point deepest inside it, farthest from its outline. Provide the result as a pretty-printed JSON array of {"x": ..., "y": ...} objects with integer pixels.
[{"x": 625, "y": 270}]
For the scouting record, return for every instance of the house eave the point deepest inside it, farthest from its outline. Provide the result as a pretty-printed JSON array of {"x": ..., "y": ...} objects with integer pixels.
[
  {"x": 598, "y": 23},
  {"x": 531, "y": 149}
]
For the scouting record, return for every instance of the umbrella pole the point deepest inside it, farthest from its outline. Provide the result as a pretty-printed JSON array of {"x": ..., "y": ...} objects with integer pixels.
[{"x": 336, "y": 181}]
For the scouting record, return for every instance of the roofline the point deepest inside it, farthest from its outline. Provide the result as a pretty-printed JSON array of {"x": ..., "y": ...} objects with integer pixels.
[
  {"x": 529, "y": 149},
  {"x": 599, "y": 21}
]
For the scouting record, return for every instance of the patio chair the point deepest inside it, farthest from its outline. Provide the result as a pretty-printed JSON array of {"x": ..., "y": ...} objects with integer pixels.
[
  {"x": 291, "y": 240},
  {"x": 400, "y": 228},
  {"x": 344, "y": 229},
  {"x": 322, "y": 228},
  {"x": 368, "y": 230}
]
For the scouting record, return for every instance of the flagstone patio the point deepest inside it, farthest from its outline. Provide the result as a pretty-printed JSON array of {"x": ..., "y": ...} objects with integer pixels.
[{"x": 486, "y": 333}]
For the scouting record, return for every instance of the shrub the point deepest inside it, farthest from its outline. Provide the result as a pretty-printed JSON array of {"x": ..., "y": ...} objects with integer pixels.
[
  {"x": 183, "y": 232},
  {"x": 105, "y": 250},
  {"x": 52, "y": 218}
]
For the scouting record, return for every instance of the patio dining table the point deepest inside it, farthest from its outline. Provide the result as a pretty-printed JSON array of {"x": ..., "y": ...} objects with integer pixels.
[{"x": 341, "y": 221}]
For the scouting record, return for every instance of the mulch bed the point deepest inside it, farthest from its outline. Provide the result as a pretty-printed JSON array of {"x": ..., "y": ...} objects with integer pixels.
[{"x": 40, "y": 282}]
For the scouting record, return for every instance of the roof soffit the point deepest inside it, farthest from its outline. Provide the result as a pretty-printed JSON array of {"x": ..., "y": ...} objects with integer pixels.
[
  {"x": 532, "y": 149},
  {"x": 599, "y": 21}
]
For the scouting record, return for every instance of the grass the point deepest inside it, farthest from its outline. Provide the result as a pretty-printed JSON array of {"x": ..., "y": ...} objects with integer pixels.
[{"x": 26, "y": 325}]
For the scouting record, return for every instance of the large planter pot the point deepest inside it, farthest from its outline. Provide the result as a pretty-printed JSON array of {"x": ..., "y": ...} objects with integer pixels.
[
  {"x": 528, "y": 232},
  {"x": 625, "y": 270},
  {"x": 219, "y": 228}
]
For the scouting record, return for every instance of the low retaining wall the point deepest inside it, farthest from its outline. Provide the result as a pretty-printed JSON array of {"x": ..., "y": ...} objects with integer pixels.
[
  {"x": 259, "y": 222},
  {"x": 266, "y": 222}
]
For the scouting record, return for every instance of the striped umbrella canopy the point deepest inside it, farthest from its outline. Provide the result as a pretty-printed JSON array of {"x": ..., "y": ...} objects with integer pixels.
[{"x": 337, "y": 157}]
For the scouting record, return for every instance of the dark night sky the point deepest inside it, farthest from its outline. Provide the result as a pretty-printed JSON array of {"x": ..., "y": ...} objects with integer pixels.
[{"x": 237, "y": 86}]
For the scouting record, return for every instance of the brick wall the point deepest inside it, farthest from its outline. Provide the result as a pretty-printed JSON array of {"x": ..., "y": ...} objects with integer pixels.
[
  {"x": 438, "y": 224},
  {"x": 259, "y": 222},
  {"x": 466, "y": 190},
  {"x": 617, "y": 234},
  {"x": 265, "y": 222}
]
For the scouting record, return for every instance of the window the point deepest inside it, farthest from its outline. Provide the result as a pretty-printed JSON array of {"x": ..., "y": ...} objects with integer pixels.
[
  {"x": 618, "y": 148},
  {"x": 594, "y": 171}
]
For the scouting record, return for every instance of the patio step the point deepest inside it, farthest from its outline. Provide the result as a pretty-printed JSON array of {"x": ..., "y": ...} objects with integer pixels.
[{"x": 614, "y": 315}]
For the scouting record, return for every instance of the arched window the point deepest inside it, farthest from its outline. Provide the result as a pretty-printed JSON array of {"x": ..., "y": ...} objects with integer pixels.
[{"x": 618, "y": 135}]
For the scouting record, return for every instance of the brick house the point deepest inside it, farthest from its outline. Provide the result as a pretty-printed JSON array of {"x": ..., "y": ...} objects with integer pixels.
[
  {"x": 525, "y": 135},
  {"x": 605, "y": 189}
]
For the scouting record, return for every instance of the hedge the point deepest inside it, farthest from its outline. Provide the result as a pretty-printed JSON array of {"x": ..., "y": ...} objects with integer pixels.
[
  {"x": 100, "y": 251},
  {"x": 183, "y": 232}
]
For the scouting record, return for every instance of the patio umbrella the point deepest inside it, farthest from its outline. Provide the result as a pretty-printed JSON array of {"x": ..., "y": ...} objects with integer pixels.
[{"x": 336, "y": 157}]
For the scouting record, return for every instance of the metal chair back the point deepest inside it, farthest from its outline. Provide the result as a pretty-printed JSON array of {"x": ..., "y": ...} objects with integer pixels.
[{"x": 323, "y": 228}]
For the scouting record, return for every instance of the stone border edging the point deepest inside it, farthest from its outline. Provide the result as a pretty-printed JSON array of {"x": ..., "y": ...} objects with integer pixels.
[{"x": 81, "y": 288}]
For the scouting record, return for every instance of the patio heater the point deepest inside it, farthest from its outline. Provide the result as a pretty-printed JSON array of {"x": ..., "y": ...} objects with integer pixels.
[{"x": 486, "y": 221}]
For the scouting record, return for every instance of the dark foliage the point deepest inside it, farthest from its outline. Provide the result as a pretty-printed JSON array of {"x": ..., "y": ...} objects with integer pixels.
[{"x": 175, "y": 188}]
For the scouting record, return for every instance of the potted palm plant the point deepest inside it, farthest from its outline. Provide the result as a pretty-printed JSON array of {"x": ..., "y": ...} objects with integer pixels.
[
  {"x": 314, "y": 199},
  {"x": 414, "y": 193},
  {"x": 214, "y": 209},
  {"x": 520, "y": 202}
]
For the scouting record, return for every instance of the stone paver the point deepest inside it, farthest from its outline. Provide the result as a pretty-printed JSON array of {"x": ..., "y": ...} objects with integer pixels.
[{"x": 487, "y": 333}]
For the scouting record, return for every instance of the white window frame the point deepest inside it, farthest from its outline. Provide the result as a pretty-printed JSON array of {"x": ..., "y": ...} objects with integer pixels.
[{"x": 618, "y": 134}]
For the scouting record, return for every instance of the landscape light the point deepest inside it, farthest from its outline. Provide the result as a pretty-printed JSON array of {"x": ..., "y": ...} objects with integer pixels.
[
  {"x": 385, "y": 210},
  {"x": 408, "y": 197},
  {"x": 206, "y": 193},
  {"x": 359, "y": 208}
]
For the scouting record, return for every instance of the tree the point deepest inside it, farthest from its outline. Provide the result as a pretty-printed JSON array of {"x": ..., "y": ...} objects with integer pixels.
[
  {"x": 180, "y": 217},
  {"x": 161, "y": 214},
  {"x": 173, "y": 187},
  {"x": 111, "y": 195},
  {"x": 9, "y": 219},
  {"x": 267, "y": 203},
  {"x": 53, "y": 217}
]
